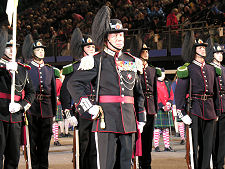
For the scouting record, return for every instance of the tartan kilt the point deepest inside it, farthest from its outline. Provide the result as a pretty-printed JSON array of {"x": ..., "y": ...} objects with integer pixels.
[
  {"x": 59, "y": 116},
  {"x": 162, "y": 120}
]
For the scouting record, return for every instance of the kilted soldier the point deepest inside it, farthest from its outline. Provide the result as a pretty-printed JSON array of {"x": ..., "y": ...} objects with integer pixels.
[
  {"x": 114, "y": 75},
  {"x": 164, "y": 118},
  {"x": 11, "y": 113},
  {"x": 205, "y": 109},
  {"x": 80, "y": 46},
  {"x": 149, "y": 87},
  {"x": 44, "y": 106},
  {"x": 215, "y": 57}
]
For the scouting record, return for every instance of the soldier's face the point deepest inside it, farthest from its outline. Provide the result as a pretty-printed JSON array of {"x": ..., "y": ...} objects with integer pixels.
[
  {"x": 144, "y": 54},
  {"x": 117, "y": 40},
  {"x": 218, "y": 56},
  {"x": 9, "y": 52},
  {"x": 39, "y": 52},
  {"x": 89, "y": 49},
  {"x": 201, "y": 50}
]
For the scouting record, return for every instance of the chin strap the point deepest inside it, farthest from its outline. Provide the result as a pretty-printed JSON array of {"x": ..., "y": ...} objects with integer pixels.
[
  {"x": 200, "y": 55},
  {"x": 113, "y": 45},
  {"x": 37, "y": 58}
]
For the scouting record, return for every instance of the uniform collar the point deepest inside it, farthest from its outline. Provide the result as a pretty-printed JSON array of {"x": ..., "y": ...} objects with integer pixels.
[
  {"x": 215, "y": 65},
  {"x": 198, "y": 63},
  {"x": 3, "y": 61},
  {"x": 112, "y": 53},
  {"x": 36, "y": 64}
]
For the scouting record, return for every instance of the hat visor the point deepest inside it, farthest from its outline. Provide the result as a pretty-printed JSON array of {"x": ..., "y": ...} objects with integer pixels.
[
  {"x": 86, "y": 44},
  {"x": 218, "y": 51},
  {"x": 117, "y": 30},
  {"x": 201, "y": 44},
  {"x": 10, "y": 45},
  {"x": 145, "y": 49},
  {"x": 39, "y": 47}
]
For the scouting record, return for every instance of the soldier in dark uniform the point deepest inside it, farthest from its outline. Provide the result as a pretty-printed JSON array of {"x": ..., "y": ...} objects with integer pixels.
[
  {"x": 119, "y": 87},
  {"x": 43, "y": 108},
  {"x": 81, "y": 46},
  {"x": 149, "y": 87},
  {"x": 11, "y": 113},
  {"x": 215, "y": 57},
  {"x": 205, "y": 107}
]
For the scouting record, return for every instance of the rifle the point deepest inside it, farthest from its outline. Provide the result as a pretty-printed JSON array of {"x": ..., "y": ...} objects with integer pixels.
[
  {"x": 76, "y": 150},
  {"x": 27, "y": 145},
  {"x": 189, "y": 143}
]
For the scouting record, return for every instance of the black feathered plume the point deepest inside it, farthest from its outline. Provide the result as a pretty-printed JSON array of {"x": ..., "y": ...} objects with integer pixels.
[
  {"x": 3, "y": 40},
  {"x": 187, "y": 47},
  {"x": 75, "y": 44},
  {"x": 27, "y": 49},
  {"x": 100, "y": 26},
  {"x": 136, "y": 45},
  {"x": 209, "y": 50}
]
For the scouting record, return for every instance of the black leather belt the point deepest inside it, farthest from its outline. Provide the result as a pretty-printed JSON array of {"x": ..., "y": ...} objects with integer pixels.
[{"x": 203, "y": 97}]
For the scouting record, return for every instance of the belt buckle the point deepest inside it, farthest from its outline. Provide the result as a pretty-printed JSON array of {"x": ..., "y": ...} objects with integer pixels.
[
  {"x": 204, "y": 97},
  {"x": 40, "y": 97}
]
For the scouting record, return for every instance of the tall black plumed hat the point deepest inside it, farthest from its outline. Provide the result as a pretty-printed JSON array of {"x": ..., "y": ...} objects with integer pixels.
[
  {"x": 3, "y": 40},
  {"x": 76, "y": 50},
  {"x": 103, "y": 25},
  {"x": 38, "y": 44},
  {"x": 187, "y": 47},
  {"x": 211, "y": 49},
  {"x": 27, "y": 48},
  {"x": 136, "y": 45}
]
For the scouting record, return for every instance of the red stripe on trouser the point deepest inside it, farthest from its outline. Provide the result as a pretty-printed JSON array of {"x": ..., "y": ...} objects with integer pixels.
[
  {"x": 8, "y": 96},
  {"x": 181, "y": 129},
  {"x": 55, "y": 128},
  {"x": 156, "y": 137},
  {"x": 166, "y": 137},
  {"x": 116, "y": 99}
]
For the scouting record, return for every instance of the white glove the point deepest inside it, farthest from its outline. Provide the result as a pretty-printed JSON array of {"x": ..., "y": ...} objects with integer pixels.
[
  {"x": 186, "y": 119},
  {"x": 94, "y": 111},
  {"x": 14, "y": 107},
  {"x": 73, "y": 121},
  {"x": 12, "y": 66},
  {"x": 141, "y": 126}
]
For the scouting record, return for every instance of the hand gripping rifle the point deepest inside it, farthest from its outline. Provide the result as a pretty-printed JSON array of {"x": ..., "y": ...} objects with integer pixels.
[
  {"x": 189, "y": 142},
  {"x": 27, "y": 144}
]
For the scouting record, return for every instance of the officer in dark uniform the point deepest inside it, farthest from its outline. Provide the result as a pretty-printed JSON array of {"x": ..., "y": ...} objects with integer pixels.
[
  {"x": 81, "y": 46},
  {"x": 149, "y": 87},
  {"x": 205, "y": 107},
  {"x": 43, "y": 108},
  {"x": 11, "y": 113},
  {"x": 119, "y": 87},
  {"x": 215, "y": 57}
]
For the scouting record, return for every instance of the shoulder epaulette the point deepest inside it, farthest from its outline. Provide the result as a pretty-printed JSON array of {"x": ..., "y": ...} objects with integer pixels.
[
  {"x": 217, "y": 69},
  {"x": 182, "y": 71},
  {"x": 56, "y": 72},
  {"x": 24, "y": 65},
  {"x": 158, "y": 72},
  {"x": 68, "y": 68},
  {"x": 86, "y": 63}
]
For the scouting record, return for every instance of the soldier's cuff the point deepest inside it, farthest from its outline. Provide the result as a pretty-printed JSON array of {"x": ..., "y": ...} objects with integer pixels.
[
  {"x": 179, "y": 113},
  {"x": 67, "y": 113},
  {"x": 85, "y": 104},
  {"x": 142, "y": 116}
]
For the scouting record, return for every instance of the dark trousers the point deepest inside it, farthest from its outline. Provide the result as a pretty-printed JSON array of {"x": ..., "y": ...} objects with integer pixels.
[
  {"x": 146, "y": 137},
  {"x": 219, "y": 143},
  {"x": 10, "y": 137},
  {"x": 88, "y": 155},
  {"x": 40, "y": 130},
  {"x": 202, "y": 136},
  {"x": 106, "y": 145}
]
